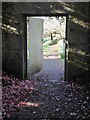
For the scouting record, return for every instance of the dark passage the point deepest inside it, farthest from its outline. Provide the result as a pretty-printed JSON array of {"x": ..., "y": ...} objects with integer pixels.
[{"x": 56, "y": 99}]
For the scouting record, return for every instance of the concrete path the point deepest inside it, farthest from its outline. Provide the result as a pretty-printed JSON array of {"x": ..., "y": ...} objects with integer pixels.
[
  {"x": 53, "y": 67},
  {"x": 52, "y": 52}
]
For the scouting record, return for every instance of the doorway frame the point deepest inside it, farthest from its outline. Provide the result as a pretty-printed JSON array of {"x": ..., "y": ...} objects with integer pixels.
[{"x": 25, "y": 37}]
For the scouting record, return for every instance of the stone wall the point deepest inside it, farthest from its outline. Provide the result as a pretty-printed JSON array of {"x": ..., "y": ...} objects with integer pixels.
[
  {"x": 0, "y": 40},
  {"x": 14, "y": 41},
  {"x": 0, "y": 61},
  {"x": 78, "y": 38}
]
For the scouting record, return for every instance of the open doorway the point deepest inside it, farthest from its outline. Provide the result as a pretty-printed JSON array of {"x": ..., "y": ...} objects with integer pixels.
[{"x": 46, "y": 37}]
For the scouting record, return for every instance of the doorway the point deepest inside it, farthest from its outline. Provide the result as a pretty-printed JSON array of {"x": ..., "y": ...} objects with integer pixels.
[{"x": 48, "y": 35}]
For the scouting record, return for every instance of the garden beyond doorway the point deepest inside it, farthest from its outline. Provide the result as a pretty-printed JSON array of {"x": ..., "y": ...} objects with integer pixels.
[{"x": 53, "y": 41}]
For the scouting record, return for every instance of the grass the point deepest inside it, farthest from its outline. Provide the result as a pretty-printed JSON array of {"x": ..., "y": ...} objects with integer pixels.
[
  {"x": 45, "y": 47},
  {"x": 48, "y": 43}
]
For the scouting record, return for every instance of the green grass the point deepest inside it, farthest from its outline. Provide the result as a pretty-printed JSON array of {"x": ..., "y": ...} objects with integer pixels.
[
  {"x": 45, "y": 47},
  {"x": 63, "y": 56},
  {"x": 48, "y": 43}
]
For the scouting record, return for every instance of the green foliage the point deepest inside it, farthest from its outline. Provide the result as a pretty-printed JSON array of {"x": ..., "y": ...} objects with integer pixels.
[
  {"x": 53, "y": 42},
  {"x": 62, "y": 55},
  {"x": 46, "y": 43},
  {"x": 45, "y": 47},
  {"x": 44, "y": 40}
]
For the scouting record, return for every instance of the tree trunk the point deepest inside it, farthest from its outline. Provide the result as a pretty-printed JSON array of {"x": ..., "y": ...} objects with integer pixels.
[{"x": 51, "y": 37}]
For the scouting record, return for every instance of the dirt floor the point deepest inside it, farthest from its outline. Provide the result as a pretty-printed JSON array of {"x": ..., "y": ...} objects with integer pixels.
[{"x": 54, "y": 97}]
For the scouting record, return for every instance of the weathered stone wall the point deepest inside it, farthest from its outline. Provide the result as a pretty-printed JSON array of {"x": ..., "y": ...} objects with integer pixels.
[
  {"x": 0, "y": 39},
  {"x": 78, "y": 55},
  {"x": 0, "y": 60},
  {"x": 14, "y": 51},
  {"x": 12, "y": 40}
]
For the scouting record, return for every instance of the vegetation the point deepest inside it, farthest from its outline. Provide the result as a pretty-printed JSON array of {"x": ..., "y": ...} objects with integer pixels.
[
  {"x": 62, "y": 55},
  {"x": 47, "y": 43},
  {"x": 53, "y": 42},
  {"x": 45, "y": 47}
]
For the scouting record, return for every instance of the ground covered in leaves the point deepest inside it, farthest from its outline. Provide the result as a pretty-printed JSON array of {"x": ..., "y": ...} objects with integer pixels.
[{"x": 40, "y": 98}]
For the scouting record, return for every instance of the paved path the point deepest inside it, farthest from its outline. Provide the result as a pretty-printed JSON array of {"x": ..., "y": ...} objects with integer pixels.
[
  {"x": 53, "y": 67},
  {"x": 52, "y": 52}
]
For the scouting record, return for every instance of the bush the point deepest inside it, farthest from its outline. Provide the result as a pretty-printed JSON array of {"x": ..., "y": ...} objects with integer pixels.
[
  {"x": 62, "y": 56},
  {"x": 53, "y": 42}
]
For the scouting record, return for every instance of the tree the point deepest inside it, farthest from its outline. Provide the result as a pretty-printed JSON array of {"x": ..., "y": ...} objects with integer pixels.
[{"x": 54, "y": 25}]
